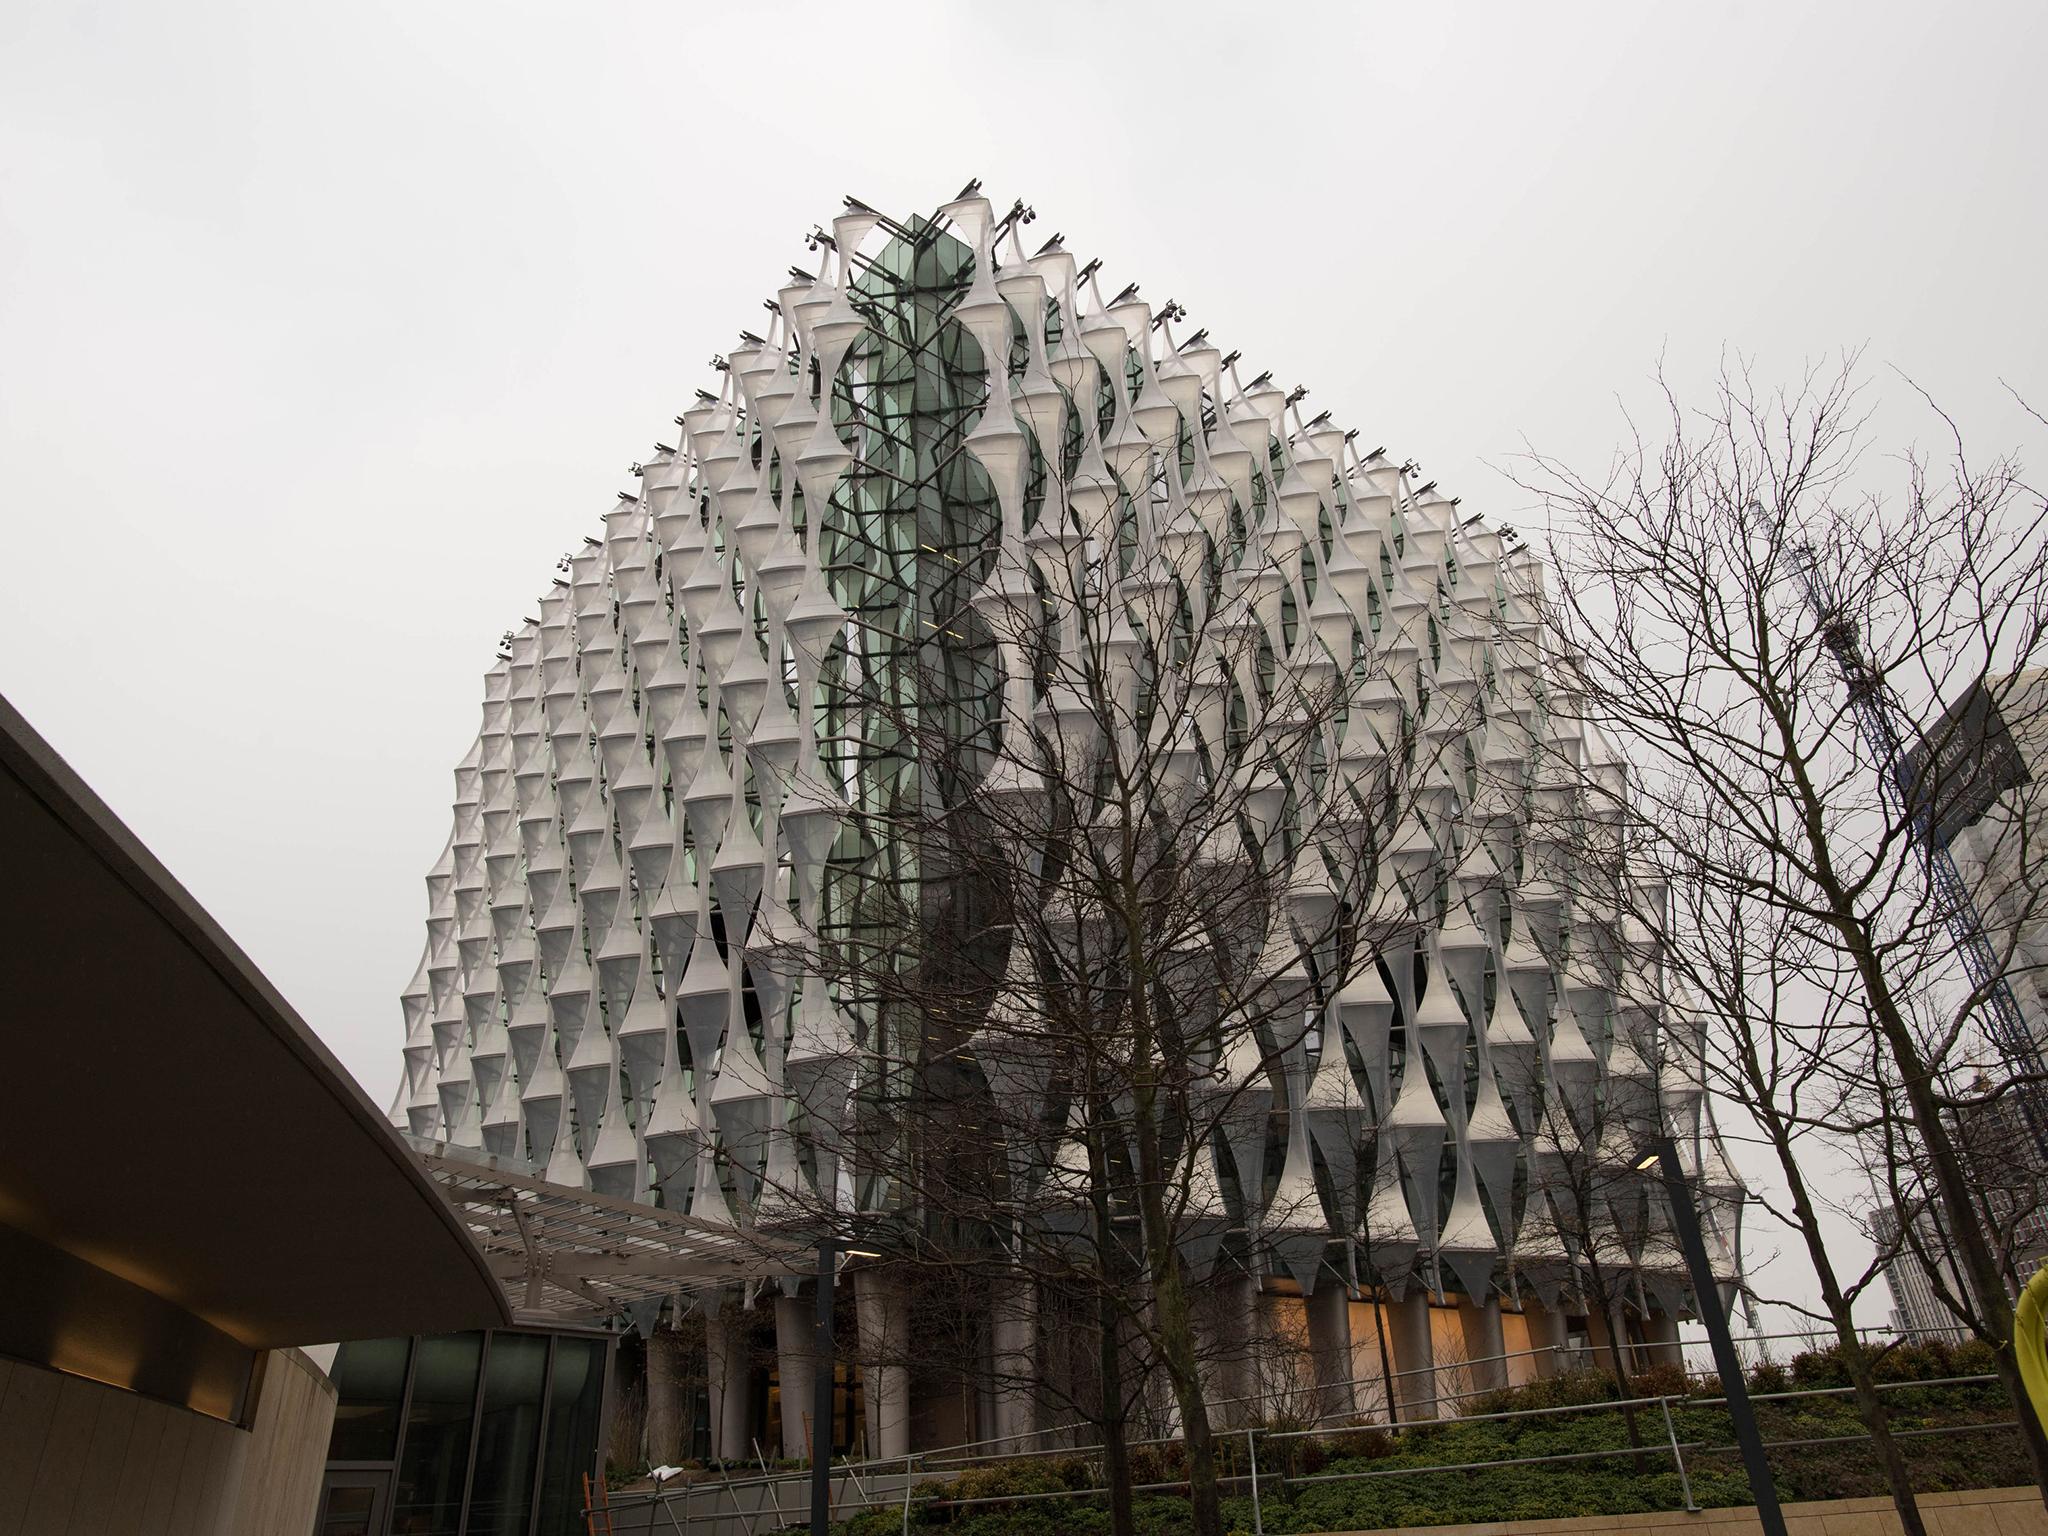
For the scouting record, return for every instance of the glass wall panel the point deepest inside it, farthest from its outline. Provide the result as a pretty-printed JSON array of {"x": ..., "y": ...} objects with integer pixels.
[
  {"x": 435, "y": 1457},
  {"x": 575, "y": 1399},
  {"x": 369, "y": 1380},
  {"x": 508, "y": 1438}
]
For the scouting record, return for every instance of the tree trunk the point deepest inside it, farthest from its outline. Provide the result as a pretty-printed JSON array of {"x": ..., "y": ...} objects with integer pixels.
[
  {"x": 1379, "y": 1334},
  {"x": 1869, "y": 1401},
  {"x": 1951, "y": 1182},
  {"x": 1870, "y": 1405},
  {"x": 1617, "y": 1341},
  {"x": 1599, "y": 1305},
  {"x": 1116, "y": 1458},
  {"x": 1177, "y": 1344},
  {"x": 1116, "y": 1455},
  {"x": 1958, "y": 1204},
  {"x": 1175, "y": 1318}
]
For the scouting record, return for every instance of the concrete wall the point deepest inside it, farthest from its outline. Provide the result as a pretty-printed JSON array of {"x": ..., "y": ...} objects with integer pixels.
[
  {"x": 81, "y": 1459},
  {"x": 283, "y": 1456}
]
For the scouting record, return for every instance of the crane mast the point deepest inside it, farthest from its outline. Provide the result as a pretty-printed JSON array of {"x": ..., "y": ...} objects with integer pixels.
[{"x": 1880, "y": 721}]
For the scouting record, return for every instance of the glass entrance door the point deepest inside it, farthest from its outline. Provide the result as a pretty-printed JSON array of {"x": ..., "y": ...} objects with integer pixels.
[{"x": 353, "y": 1504}]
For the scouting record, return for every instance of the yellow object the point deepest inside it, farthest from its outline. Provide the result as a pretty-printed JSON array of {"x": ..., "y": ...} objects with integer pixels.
[{"x": 2030, "y": 1341}]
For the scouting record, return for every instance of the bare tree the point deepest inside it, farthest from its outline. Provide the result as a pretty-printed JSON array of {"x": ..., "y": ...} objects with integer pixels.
[
  {"x": 1775, "y": 1031},
  {"x": 1150, "y": 782},
  {"x": 1595, "y": 1223},
  {"x": 1732, "y": 607},
  {"x": 1107, "y": 1010}
]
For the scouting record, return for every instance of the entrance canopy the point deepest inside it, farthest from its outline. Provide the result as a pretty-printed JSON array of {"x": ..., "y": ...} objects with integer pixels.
[
  {"x": 567, "y": 1255},
  {"x": 187, "y": 1176}
]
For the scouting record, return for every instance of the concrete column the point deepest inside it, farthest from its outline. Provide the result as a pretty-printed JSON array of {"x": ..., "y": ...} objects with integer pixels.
[
  {"x": 727, "y": 1369},
  {"x": 1369, "y": 1368},
  {"x": 1661, "y": 1329},
  {"x": 1546, "y": 1335},
  {"x": 795, "y": 1364},
  {"x": 1414, "y": 1357},
  {"x": 1056, "y": 1365},
  {"x": 1227, "y": 1346},
  {"x": 1484, "y": 1344},
  {"x": 1158, "y": 1409},
  {"x": 884, "y": 1316},
  {"x": 1013, "y": 1351},
  {"x": 1329, "y": 1343},
  {"x": 666, "y": 1431},
  {"x": 1607, "y": 1349}
]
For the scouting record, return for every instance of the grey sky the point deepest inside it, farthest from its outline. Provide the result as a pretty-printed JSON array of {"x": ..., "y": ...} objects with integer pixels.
[{"x": 324, "y": 330}]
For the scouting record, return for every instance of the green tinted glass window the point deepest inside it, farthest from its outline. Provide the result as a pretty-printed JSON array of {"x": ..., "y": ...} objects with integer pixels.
[
  {"x": 369, "y": 1380},
  {"x": 435, "y": 1462},
  {"x": 575, "y": 1398},
  {"x": 508, "y": 1436}
]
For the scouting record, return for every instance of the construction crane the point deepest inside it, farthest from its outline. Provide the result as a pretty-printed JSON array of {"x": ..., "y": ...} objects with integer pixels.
[{"x": 1881, "y": 721}]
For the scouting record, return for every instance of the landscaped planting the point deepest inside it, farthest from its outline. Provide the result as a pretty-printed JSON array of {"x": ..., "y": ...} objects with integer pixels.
[{"x": 1299, "y": 1490}]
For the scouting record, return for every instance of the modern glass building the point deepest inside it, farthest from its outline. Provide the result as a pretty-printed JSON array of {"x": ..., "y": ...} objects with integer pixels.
[
  {"x": 954, "y": 516},
  {"x": 487, "y": 1433}
]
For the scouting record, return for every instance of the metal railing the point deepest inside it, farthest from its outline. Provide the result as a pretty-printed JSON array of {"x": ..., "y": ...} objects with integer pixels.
[{"x": 915, "y": 1468}]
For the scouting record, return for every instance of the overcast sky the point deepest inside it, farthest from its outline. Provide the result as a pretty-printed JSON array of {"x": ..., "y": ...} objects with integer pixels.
[{"x": 325, "y": 330}]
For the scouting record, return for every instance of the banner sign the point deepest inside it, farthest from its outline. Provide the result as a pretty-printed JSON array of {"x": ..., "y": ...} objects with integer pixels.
[{"x": 1957, "y": 771}]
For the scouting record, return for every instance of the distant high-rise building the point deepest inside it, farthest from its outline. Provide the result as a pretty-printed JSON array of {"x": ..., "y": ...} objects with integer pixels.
[
  {"x": 1917, "y": 1308},
  {"x": 1986, "y": 777},
  {"x": 1977, "y": 779},
  {"x": 1997, "y": 1146}
]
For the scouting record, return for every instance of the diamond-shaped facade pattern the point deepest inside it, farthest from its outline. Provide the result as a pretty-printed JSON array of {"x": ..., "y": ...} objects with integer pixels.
[{"x": 675, "y": 763}]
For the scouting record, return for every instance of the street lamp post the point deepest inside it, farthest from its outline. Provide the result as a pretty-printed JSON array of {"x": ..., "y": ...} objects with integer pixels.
[
  {"x": 821, "y": 1392},
  {"x": 830, "y": 1252},
  {"x": 1664, "y": 1154}
]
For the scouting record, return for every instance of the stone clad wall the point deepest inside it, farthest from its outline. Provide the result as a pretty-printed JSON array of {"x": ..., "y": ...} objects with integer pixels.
[
  {"x": 78, "y": 1458},
  {"x": 283, "y": 1457}
]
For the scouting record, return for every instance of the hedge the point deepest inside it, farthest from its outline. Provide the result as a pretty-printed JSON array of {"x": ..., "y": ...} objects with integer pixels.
[{"x": 1291, "y": 1500}]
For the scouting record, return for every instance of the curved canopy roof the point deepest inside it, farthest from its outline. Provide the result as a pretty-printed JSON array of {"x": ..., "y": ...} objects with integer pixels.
[{"x": 170, "y": 1122}]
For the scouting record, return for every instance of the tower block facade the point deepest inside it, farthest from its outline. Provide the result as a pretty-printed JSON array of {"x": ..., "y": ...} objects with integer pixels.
[{"x": 783, "y": 886}]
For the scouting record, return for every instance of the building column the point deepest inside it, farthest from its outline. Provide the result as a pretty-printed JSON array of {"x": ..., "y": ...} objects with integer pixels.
[
  {"x": 727, "y": 1371},
  {"x": 666, "y": 1432},
  {"x": 1414, "y": 1356},
  {"x": 796, "y": 1327},
  {"x": 1608, "y": 1351},
  {"x": 1226, "y": 1345},
  {"x": 1371, "y": 1390},
  {"x": 1013, "y": 1350},
  {"x": 1485, "y": 1344},
  {"x": 883, "y": 1312},
  {"x": 1329, "y": 1343},
  {"x": 1546, "y": 1336},
  {"x": 1661, "y": 1330}
]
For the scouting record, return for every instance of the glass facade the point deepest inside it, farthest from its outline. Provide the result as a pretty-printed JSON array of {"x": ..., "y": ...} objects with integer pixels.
[
  {"x": 369, "y": 1378},
  {"x": 508, "y": 1436},
  {"x": 465, "y": 1434},
  {"x": 433, "y": 1464}
]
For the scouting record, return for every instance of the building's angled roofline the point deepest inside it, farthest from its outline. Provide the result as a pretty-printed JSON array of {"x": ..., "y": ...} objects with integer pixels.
[{"x": 170, "y": 1119}]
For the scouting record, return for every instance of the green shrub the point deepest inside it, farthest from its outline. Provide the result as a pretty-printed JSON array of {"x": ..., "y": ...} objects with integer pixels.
[
  {"x": 1361, "y": 1444},
  {"x": 1567, "y": 1389},
  {"x": 1632, "y": 1480},
  {"x": 1819, "y": 1368},
  {"x": 1158, "y": 1464},
  {"x": 1769, "y": 1376},
  {"x": 1661, "y": 1381}
]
